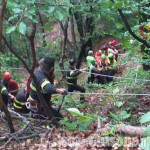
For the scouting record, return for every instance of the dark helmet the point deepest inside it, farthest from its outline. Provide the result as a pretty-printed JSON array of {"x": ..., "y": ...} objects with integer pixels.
[
  {"x": 47, "y": 63},
  {"x": 72, "y": 61}
]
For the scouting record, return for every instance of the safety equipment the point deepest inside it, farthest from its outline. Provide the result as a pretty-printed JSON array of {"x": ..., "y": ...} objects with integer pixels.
[
  {"x": 72, "y": 62},
  {"x": 100, "y": 51},
  {"x": 110, "y": 55},
  {"x": 33, "y": 105},
  {"x": 148, "y": 27},
  {"x": 90, "y": 52},
  {"x": 7, "y": 76},
  {"x": 92, "y": 60},
  {"x": 103, "y": 57}
]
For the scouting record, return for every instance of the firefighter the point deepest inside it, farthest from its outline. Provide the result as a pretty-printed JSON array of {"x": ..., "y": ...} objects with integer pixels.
[
  {"x": 103, "y": 68},
  {"x": 13, "y": 87},
  {"x": 112, "y": 68},
  {"x": 71, "y": 77},
  {"x": 112, "y": 49},
  {"x": 104, "y": 62},
  {"x": 29, "y": 80},
  {"x": 43, "y": 76},
  {"x": 20, "y": 102},
  {"x": 6, "y": 95},
  {"x": 90, "y": 58},
  {"x": 104, "y": 50},
  {"x": 91, "y": 71},
  {"x": 94, "y": 73},
  {"x": 98, "y": 57}
]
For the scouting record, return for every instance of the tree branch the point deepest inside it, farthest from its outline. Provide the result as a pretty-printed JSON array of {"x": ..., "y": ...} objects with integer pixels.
[
  {"x": 16, "y": 54},
  {"x": 31, "y": 39},
  {"x": 130, "y": 31}
]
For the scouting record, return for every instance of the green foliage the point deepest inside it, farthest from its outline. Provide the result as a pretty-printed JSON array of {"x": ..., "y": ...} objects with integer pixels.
[
  {"x": 111, "y": 132},
  {"x": 145, "y": 118},
  {"x": 22, "y": 28},
  {"x": 81, "y": 122},
  {"x": 70, "y": 126},
  {"x": 121, "y": 117},
  {"x": 9, "y": 60},
  {"x": 119, "y": 104},
  {"x": 147, "y": 131},
  {"x": 145, "y": 143},
  {"x": 82, "y": 118},
  {"x": 10, "y": 29}
]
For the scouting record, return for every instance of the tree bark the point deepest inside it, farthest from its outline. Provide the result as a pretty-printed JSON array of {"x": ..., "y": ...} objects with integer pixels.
[
  {"x": 75, "y": 47},
  {"x": 83, "y": 52},
  {"x": 64, "y": 41},
  {"x": 43, "y": 31},
  {"x": 2, "y": 105},
  {"x": 87, "y": 31}
]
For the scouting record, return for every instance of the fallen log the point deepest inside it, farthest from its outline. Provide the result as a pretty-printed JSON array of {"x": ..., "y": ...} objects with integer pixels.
[{"x": 126, "y": 129}]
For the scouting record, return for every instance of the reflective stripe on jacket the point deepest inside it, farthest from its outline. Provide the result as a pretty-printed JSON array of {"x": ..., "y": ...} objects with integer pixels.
[
  {"x": 45, "y": 86},
  {"x": 20, "y": 101},
  {"x": 4, "y": 88},
  {"x": 112, "y": 66},
  {"x": 71, "y": 76}
]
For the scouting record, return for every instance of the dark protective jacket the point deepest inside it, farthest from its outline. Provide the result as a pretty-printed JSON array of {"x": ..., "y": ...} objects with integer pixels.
[
  {"x": 72, "y": 76},
  {"x": 46, "y": 87},
  {"x": 20, "y": 101},
  {"x": 4, "y": 88}
]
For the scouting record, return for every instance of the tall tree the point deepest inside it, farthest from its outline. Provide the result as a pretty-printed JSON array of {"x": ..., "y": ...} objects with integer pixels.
[{"x": 2, "y": 105}]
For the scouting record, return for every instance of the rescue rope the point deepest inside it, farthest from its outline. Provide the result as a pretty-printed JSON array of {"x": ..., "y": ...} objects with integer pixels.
[
  {"x": 110, "y": 94},
  {"x": 107, "y": 75}
]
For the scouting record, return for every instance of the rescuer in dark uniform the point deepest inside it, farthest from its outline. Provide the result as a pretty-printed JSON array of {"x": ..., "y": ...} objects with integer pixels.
[
  {"x": 72, "y": 80},
  {"x": 44, "y": 76},
  {"x": 6, "y": 95},
  {"x": 20, "y": 102}
]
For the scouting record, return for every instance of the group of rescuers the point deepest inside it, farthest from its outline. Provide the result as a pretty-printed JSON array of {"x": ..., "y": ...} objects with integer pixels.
[{"x": 26, "y": 99}]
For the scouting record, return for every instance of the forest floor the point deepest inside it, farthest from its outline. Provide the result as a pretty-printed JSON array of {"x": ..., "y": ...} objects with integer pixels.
[{"x": 62, "y": 139}]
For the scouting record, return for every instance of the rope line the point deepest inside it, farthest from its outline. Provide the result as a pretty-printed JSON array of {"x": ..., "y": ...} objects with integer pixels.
[
  {"x": 106, "y": 75},
  {"x": 112, "y": 94},
  {"x": 59, "y": 70}
]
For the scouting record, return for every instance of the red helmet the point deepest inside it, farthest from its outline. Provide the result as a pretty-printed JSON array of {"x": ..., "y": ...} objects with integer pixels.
[{"x": 7, "y": 76}]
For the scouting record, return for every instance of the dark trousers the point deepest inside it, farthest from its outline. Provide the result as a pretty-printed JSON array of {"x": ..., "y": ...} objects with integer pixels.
[
  {"x": 71, "y": 88},
  {"x": 110, "y": 73},
  {"x": 5, "y": 99},
  {"x": 94, "y": 76}
]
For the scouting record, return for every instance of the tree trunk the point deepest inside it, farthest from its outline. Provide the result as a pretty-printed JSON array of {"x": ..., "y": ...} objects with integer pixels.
[
  {"x": 83, "y": 52},
  {"x": 126, "y": 129},
  {"x": 88, "y": 31},
  {"x": 43, "y": 31},
  {"x": 2, "y": 105},
  {"x": 73, "y": 32},
  {"x": 64, "y": 41}
]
